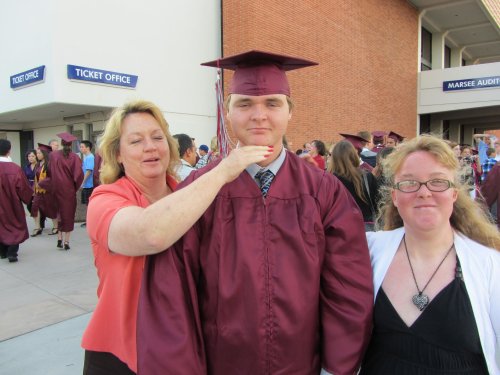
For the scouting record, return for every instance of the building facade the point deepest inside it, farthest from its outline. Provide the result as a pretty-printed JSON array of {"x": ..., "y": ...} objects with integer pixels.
[
  {"x": 383, "y": 65},
  {"x": 90, "y": 52}
]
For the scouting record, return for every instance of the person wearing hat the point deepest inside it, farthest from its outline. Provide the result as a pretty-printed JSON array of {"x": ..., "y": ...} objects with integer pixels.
[
  {"x": 393, "y": 139},
  {"x": 66, "y": 177},
  {"x": 278, "y": 265},
  {"x": 43, "y": 201},
  {"x": 378, "y": 140},
  {"x": 203, "y": 151},
  {"x": 14, "y": 191},
  {"x": 358, "y": 144},
  {"x": 366, "y": 154}
]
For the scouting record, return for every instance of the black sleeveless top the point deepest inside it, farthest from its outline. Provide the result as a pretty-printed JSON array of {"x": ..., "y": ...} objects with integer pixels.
[{"x": 443, "y": 340}]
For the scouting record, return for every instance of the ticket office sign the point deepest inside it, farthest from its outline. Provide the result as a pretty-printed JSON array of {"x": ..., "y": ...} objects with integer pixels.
[
  {"x": 28, "y": 78},
  {"x": 92, "y": 75}
]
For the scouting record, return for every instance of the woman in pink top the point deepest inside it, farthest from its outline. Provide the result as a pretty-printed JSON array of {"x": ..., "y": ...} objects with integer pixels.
[
  {"x": 318, "y": 152},
  {"x": 135, "y": 213}
]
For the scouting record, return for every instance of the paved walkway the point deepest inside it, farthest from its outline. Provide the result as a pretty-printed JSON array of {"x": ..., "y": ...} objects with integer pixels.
[{"x": 46, "y": 300}]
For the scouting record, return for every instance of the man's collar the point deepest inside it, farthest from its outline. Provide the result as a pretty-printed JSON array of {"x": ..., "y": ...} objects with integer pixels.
[
  {"x": 273, "y": 167},
  {"x": 184, "y": 162}
]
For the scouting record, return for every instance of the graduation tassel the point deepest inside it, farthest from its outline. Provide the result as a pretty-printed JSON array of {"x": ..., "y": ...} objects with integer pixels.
[{"x": 223, "y": 139}]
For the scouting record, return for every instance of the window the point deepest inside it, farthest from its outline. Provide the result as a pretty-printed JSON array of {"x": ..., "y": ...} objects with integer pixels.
[
  {"x": 425, "y": 124},
  {"x": 426, "y": 50},
  {"x": 446, "y": 129},
  {"x": 447, "y": 57}
]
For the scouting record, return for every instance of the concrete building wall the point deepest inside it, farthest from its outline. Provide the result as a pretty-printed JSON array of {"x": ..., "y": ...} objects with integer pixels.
[
  {"x": 26, "y": 31},
  {"x": 162, "y": 42},
  {"x": 367, "y": 51},
  {"x": 432, "y": 98}
]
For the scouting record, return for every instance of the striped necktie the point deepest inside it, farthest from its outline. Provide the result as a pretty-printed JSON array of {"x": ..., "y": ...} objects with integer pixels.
[{"x": 265, "y": 177}]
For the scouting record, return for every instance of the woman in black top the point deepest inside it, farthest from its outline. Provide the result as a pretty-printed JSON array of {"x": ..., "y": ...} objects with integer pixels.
[
  {"x": 362, "y": 185},
  {"x": 436, "y": 268}
]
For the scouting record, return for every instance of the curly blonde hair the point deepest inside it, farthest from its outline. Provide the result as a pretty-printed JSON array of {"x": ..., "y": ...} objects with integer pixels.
[
  {"x": 109, "y": 141},
  {"x": 468, "y": 217}
]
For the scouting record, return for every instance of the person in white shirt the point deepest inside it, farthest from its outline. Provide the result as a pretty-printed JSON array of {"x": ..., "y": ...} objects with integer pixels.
[{"x": 187, "y": 153}]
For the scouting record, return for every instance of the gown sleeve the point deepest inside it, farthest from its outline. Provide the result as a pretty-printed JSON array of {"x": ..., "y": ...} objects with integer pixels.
[
  {"x": 346, "y": 302},
  {"x": 24, "y": 190}
]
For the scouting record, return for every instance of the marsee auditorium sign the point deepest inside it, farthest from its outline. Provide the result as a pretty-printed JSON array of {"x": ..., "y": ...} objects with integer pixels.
[{"x": 471, "y": 83}]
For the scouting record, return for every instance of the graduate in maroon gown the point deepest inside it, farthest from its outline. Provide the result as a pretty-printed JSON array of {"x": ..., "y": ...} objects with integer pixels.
[
  {"x": 378, "y": 140},
  {"x": 43, "y": 201},
  {"x": 358, "y": 143},
  {"x": 14, "y": 190},
  {"x": 66, "y": 177},
  {"x": 278, "y": 266},
  {"x": 393, "y": 139}
]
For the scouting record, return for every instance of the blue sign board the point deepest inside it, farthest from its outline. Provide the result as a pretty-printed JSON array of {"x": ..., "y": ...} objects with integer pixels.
[
  {"x": 29, "y": 77},
  {"x": 81, "y": 73},
  {"x": 471, "y": 83}
]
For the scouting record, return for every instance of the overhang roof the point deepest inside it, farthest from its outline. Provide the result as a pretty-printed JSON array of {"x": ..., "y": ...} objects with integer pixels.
[
  {"x": 472, "y": 25},
  {"x": 65, "y": 111}
]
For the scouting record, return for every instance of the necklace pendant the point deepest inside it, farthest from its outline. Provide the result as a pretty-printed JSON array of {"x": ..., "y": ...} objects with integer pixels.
[{"x": 420, "y": 300}]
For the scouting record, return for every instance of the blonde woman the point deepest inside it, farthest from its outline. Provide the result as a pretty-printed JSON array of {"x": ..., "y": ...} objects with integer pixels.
[
  {"x": 436, "y": 270},
  {"x": 135, "y": 212}
]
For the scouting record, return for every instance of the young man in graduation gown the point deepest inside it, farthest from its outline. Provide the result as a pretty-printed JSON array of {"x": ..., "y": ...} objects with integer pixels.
[
  {"x": 14, "y": 191},
  {"x": 393, "y": 139},
  {"x": 278, "y": 266},
  {"x": 378, "y": 140}
]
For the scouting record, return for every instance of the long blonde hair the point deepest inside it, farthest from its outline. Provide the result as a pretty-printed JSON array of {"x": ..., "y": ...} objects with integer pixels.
[
  {"x": 468, "y": 217},
  {"x": 344, "y": 162},
  {"x": 109, "y": 141}
]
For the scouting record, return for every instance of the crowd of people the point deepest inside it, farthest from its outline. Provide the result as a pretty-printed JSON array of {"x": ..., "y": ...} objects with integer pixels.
[
  {"x": 377, "y": 254},
  {"x": 53, "y": 177}
]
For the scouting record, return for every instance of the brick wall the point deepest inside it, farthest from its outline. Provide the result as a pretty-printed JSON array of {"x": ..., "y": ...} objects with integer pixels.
[{"x": 367, "y": 50}]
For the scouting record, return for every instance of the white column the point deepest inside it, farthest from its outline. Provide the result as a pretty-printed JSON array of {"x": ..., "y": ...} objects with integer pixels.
[
  {"x": 455, "y": 131},
  {"x": 437, "y": 51}
]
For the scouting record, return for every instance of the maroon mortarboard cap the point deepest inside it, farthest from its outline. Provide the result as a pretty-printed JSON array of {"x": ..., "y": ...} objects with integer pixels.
[
  {"x": 67, "y": 137},
  {"x": 44, "y": 147},
  {"x": 356, "y": 141},
  {"x": 396, "y": 136},
  {"x": 260, "y": 73},
  {"x": 378, "y": 136}
]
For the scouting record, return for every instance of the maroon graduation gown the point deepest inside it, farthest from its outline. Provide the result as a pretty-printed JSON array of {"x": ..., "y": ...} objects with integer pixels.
[
  {"x": 43, "y": 201},
  {"x": 283, "y": 285},
  {"x": 14, "y": 189},
  {"x": 491, "y": 190},
  {"x": 66, "y": 178}
]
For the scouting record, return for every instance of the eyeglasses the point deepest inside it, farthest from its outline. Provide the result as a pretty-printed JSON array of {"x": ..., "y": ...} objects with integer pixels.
[{"x": 436, "y": 185}]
